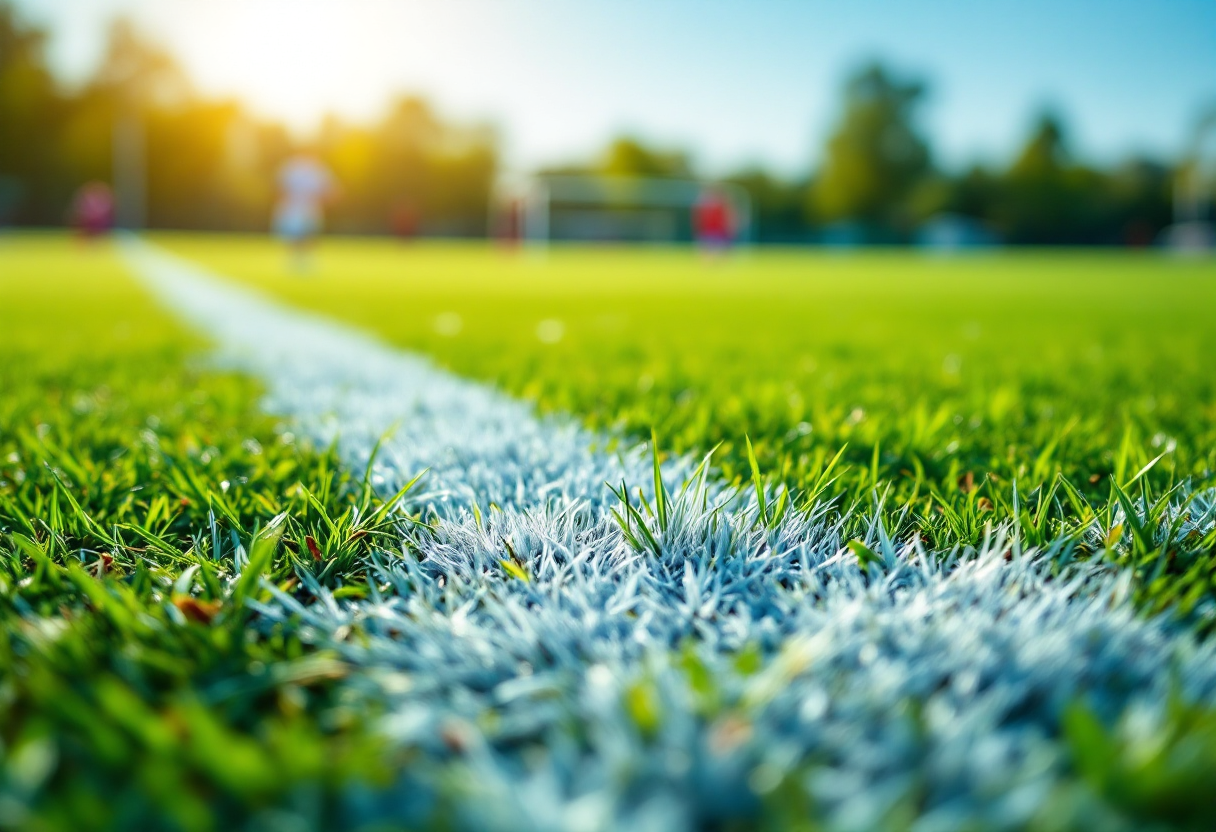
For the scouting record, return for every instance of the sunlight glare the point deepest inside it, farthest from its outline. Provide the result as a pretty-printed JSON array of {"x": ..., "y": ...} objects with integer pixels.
[{"x": 292, "y": 58}]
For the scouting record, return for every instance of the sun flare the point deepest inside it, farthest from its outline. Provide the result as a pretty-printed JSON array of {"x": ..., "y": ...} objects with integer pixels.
[{"x": 295, "y": 59}]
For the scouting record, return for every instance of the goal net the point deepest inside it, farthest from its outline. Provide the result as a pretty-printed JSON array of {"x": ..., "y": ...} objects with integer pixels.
[{"x": 558, "y": 208}]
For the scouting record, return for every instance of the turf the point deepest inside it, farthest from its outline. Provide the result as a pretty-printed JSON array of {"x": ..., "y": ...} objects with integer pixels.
[
  {"x": 133, "y": 481},
  {"x": 967, "y": 390},
  {"x": 147, "y": 505},
  {"x": 642, "y": 663}
]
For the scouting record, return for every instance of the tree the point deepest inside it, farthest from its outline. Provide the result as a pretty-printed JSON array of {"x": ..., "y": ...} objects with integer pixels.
[
  {"x": 629, "y": 157},
  {"x": 30, "y": 111},
  {"x": 1047, "y": 198},
  {"x": 139, "y": 72},
  {"x": 875, "y": 157},
  {"x": 1139, "y": 201},
  {"x": 413, "y": 171},
  {"x": 777, "y": 206}
]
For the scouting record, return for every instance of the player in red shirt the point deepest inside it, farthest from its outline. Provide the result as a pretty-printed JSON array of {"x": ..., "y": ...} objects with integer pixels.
[
  {"x": 93, "y": 210},
  {"x": 713, "y": 221}
]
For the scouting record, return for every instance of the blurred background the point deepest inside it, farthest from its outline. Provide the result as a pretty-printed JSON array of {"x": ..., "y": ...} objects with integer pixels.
[{"x": 947, "y": 124}]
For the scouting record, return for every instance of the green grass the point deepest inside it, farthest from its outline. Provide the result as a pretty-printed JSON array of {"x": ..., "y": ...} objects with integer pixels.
[
  {"x": 138, "y": 689},
  {"x": 1021, "y": 386},
  {"x": 133, "y": 691}
]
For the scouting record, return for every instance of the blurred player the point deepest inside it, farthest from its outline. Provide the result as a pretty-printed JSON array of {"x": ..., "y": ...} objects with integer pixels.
[
  {"x": 305, "y": 185},
  {"x": 713, "y": 221},
  {"x": 404, "y": 219},
  {"x": 93, "y": 210}
]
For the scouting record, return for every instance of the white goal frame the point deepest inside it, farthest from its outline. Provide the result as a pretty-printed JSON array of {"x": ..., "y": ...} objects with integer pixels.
[{"x": 535, "y": 196}]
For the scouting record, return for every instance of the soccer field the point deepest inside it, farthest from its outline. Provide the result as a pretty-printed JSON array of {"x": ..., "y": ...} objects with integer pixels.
[
  {"x": 965, "y": 581},
  {"x": 948, "y": 381}
]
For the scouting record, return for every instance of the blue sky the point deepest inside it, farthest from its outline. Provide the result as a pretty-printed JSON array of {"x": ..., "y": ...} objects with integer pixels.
[{"x": 735, "y": 82}]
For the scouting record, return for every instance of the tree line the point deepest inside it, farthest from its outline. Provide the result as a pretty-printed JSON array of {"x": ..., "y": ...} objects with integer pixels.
[
  {"x": 879, "y": 173},
  {"x": 210, "y": 164},
  {"x": 878, "y": 182}
]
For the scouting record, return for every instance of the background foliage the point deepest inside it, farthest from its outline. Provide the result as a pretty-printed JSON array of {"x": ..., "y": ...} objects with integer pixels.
[{"x": 211, "y": 164}]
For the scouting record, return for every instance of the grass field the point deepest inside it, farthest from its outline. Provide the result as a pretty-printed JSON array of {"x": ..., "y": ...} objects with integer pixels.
[
  {"x": 152, "y": 517},
  {"x": 950, "y": 381},
  {"x": 133, "y": 694}
]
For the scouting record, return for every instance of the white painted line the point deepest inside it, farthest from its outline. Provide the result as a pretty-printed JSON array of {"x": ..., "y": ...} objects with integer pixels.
[{"x": 479, "y": 445}]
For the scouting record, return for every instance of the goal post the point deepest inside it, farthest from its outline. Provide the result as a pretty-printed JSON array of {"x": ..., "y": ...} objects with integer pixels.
[
  {"x": 545, "y": 208},
  {"x": 1194, "y": 227}
]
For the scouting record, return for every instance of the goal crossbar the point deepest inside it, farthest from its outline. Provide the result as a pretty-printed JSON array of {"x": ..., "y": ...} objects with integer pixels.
[{"x": 536, "y": 197}]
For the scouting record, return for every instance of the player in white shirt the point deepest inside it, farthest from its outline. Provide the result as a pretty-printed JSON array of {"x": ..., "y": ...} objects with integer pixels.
[{"x": 305, "y": 185}]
